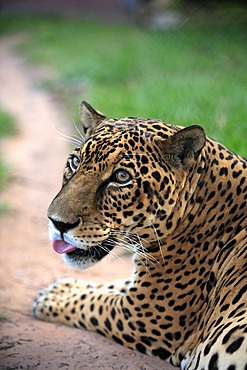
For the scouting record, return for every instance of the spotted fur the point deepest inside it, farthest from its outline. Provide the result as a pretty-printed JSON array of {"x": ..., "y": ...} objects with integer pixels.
[{"x": 177, "y": 200}]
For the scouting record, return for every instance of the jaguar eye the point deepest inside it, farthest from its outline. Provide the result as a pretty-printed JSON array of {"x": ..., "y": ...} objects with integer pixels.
[
  {"x": 74, "y": 162},
  {"x": 121, "y": 176}
]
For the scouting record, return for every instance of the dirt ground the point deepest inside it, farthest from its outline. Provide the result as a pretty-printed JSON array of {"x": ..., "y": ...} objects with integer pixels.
[{"x": 27, "y": 261}]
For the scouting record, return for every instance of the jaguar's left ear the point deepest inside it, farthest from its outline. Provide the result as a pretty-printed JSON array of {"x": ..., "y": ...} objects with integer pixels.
[
  {"x": 184, "y": 147},
  {"x": 90, "y": 118}
]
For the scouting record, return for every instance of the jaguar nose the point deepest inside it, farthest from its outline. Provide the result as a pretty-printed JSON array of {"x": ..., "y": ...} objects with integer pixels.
[{"x": 64, "y": 226}]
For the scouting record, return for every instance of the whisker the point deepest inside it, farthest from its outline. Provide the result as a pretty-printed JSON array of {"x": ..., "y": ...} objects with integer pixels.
[
  {"x": 159, "y": 242},
  {"x": 112, "y": 254},
  {"x": 131, "y": 235},
  {"x": 72, "y": 137},
  {"x": 80, "y": 134},
  {"x": 135, "y": 248},
  {"x": 134, "y": 241},
  {"x": 70, "y": 140}
]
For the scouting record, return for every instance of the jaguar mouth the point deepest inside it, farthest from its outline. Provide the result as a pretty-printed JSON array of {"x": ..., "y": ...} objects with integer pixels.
[{"x": 95, "y": 253}]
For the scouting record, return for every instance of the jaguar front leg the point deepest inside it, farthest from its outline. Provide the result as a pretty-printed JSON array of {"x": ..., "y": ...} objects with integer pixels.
[
  {"x": 62, "y": 301},
  {"x": 117, "y": 315}
]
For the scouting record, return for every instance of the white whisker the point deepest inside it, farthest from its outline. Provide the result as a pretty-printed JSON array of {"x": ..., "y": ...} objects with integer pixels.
[
  {"x": 159, "y": 242},
  {"x": 70, "y": 140},
  {"x": 133, "y": 245},
  {"x": 80, "y": 134},
  {"x": 75, "y": 138},
  {"x": 112, "y": 254}
]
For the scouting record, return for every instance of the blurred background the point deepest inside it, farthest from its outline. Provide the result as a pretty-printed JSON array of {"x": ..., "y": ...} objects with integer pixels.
[{"x": 182, "y": 61}]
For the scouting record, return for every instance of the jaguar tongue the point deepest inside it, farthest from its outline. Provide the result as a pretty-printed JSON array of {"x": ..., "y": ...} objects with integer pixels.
[{"x": 60, "y": 246}]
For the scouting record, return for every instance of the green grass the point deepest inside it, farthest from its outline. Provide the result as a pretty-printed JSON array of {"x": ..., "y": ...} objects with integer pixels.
[
  {"x": 3, "y": 316},
  {"x": 190, "y": 75},
  {"x": 7, "y": 124},
  {"x": 7, "y": 127}
]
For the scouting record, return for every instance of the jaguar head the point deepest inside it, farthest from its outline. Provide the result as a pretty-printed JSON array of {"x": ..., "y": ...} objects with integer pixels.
[{"x": 121, "y": 187}]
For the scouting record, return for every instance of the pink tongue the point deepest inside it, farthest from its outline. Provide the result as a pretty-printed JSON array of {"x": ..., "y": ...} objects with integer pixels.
[{"x": 60, "y": 246}]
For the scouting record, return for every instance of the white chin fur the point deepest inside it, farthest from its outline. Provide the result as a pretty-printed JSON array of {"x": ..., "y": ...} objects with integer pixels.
[{"x": 78, "y": 264}]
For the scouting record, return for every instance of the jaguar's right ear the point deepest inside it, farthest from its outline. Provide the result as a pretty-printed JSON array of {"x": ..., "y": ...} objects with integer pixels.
[
  {"x": 183, "y": 148},
  {"x": 90, "y": 118}
]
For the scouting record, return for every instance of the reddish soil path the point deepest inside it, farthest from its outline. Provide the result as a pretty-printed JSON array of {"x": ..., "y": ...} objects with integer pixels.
[{"x": 26, "y": 260}]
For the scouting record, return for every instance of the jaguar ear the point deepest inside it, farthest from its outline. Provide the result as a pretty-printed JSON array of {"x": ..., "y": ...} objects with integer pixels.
[
  {"x": 90, "y": 118},
  {"x": 184, "y": 147}
]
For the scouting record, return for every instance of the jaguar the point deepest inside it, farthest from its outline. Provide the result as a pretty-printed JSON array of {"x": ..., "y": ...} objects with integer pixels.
[{"x": 177, "y": 200}]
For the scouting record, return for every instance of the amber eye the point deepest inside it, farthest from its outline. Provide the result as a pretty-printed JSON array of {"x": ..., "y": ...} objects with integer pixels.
[
  {"x": 121, "y": 177},
  {"x": 74, "y": 162}
]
